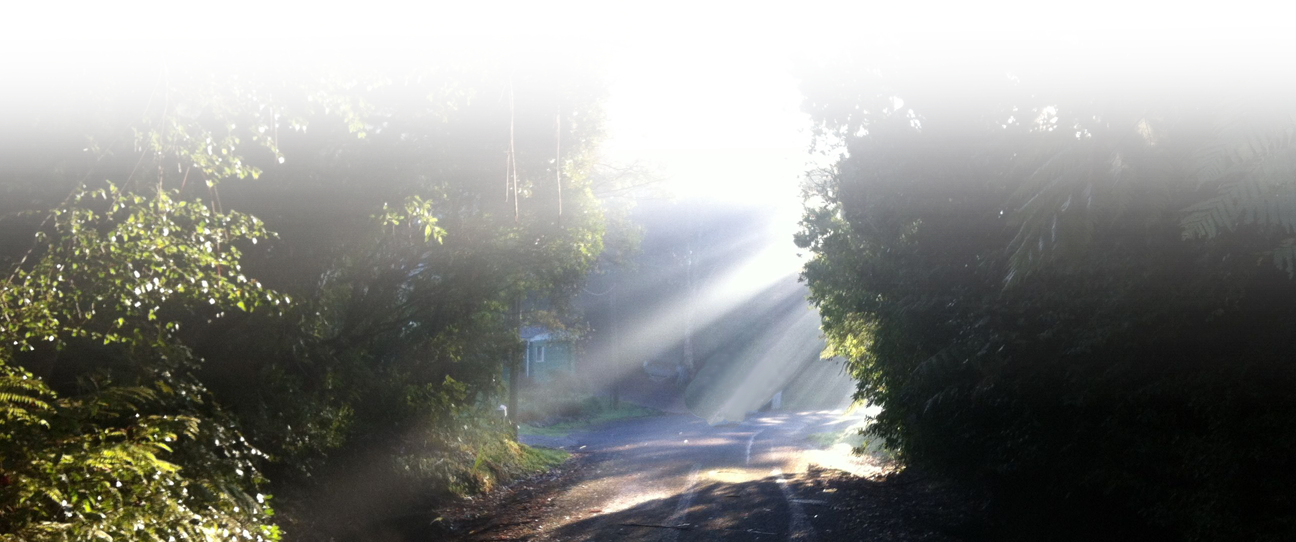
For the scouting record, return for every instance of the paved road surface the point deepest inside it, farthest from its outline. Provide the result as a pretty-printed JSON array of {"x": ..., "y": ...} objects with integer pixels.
[{"x": 674, "y": 478}]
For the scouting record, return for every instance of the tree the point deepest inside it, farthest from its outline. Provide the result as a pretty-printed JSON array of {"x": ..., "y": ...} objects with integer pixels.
[
  {"x": 388, "y": 275},
  {"x": 92, "y": 307},
  {"x": 1036, "y": 278}
]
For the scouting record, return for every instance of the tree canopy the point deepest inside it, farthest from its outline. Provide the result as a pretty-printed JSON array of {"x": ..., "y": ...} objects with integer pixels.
[
  {"x": 1071, "y": 285},
  {"x": 290, "y": 282}
]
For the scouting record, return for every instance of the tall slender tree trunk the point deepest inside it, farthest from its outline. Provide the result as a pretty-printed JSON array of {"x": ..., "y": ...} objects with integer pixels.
[
  {"x": 685, "y": 372},
  {"x": 515, "y": 361},
  {"x": 616, "y": 350}
]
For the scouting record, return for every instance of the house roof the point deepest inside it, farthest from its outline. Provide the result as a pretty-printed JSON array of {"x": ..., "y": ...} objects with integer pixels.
[
  {"x": 534, "y": 333},
  {"x": 541, "y": 333}
]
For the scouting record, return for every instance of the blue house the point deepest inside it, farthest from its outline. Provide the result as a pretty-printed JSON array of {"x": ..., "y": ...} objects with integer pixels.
[{"x": 548, "y": 353}]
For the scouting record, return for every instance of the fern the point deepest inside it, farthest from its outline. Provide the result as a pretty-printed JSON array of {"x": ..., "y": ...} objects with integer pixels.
[
  {"x": 1065, "y": 186},
  {"x": 1256, "y": 186},
  {"x": 23, "y": 399},
  {"x": 1252, "y": 162}
]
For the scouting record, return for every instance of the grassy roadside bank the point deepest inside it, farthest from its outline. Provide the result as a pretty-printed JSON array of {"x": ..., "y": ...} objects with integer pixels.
[{"x": 593, "y": 411}]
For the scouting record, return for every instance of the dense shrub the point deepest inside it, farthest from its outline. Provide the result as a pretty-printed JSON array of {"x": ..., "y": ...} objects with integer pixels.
[
  {"x": 1076, "y": 296},
  {"x": 338, "y": 340}
]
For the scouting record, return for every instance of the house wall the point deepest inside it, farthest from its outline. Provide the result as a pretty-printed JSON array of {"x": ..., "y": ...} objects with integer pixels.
[{"x": 557, "y": 358}]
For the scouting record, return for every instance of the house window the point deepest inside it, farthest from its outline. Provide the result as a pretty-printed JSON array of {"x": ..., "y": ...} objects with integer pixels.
[{"x": 540, "y": 354}]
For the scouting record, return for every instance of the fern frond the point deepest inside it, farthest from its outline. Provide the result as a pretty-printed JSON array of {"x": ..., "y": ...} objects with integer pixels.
[
  {"x": 24, "y": 399},
  {"x": 1262, "y": 193}
]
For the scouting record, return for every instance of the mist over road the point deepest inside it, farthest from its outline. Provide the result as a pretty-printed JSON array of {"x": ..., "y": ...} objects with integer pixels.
[{"x": 676, "y": 478}]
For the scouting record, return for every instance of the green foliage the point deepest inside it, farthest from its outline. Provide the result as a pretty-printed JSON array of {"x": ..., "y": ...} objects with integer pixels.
[
  {"x": 538, "y": 459},
  {"x": 88, "y": 463},
  {"x": 105, "y": 275},
  {"x": 157, "y": 333},
  {"x": 1058, "y": 291},
  {"x": 23, "y": 399},
  {"x": 417, "y": 212}
]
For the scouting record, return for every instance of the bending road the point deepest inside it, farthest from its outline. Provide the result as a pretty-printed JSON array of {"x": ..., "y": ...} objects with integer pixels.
[{"x": 674, "y": 478}]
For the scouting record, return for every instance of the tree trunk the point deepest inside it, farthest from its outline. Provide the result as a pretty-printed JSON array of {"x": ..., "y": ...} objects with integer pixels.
[
  {"x": 515, "y": 363},
  {"x": 686, "y": 368},
  {"x": 616, "y": 352}
]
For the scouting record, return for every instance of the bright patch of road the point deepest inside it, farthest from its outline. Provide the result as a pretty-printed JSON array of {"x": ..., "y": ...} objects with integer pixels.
[{"x": 675, "y": 478}]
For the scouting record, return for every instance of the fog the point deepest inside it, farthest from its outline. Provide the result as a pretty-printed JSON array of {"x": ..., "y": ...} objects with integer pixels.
[{"x": 706, "y": 96}]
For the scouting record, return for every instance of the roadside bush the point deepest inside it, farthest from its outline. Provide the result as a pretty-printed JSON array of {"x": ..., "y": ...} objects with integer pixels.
[
  {"x": 354, "y": 363},
  {"x": 105, "y": 433},
  {"x": 1092, "y": 320}
]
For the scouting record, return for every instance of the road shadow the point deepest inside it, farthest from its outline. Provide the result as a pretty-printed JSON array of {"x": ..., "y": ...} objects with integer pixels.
[{"x": 711, "y": 510}]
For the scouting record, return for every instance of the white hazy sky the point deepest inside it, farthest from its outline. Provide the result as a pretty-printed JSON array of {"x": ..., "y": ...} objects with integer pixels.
[
  {"x": 700, "y": 89},
  {"x": 719, "y": 124}
]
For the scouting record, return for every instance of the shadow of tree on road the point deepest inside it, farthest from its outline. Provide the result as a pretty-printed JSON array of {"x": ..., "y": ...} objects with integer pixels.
[{"x": 709, "y": 510}]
